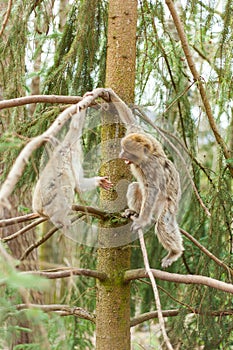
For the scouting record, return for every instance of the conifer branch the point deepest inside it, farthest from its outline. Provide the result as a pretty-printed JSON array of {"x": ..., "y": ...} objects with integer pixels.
[
  {"x": 21, "y": 101},
  {"x": 68, "y": 272},
  {"x": 63, "y": 310},
  {"x": 23, "y": 230},
  {"x": 206, "y": 251},
  {"x": 171, "y": 313},
  {"x": 18, "y": 219},
  {"x": 185, "y": 45},
  {"x": 131, "y": 275}
]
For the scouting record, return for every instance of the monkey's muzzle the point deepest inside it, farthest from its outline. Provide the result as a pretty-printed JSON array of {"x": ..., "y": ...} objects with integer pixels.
[{"x": 126, "y": 160}]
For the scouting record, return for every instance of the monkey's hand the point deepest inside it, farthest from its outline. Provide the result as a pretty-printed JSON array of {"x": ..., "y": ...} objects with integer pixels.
[
  {"x": 105, "y": 183},
  {"x": 128, "y": 213}
]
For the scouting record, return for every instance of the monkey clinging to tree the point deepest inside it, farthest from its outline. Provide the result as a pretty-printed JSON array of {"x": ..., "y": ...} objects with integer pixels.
[{"x": 156, "y": 193}]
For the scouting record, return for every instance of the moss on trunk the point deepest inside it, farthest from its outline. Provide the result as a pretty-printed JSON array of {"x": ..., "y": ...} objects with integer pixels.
[{"x": 113, "y": 295}]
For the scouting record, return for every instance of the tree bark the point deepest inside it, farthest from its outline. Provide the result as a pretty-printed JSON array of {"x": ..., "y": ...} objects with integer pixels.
[
  {"x": 121, "y": 51},
  {"x": 113, "y": 295}
]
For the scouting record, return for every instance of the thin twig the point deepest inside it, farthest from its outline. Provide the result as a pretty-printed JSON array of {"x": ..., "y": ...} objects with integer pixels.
[
  {"x": 46, "y": 237},
  {"x": 84, "y": 209},
  {"x": 4, "y": 23},
  {"x": 178, "y": 97},
  {"x": 24, "y": 229},
  {"x": 207, "y": 252},
  {"x": 185, "y": 45},
  {"x": 155, "y": 290},
  {"x": 18, "y": 219},
  {"x": 38, "y": 243}
]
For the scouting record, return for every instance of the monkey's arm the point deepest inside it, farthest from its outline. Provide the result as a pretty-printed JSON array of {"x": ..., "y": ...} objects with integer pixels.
[
  {"x": 134, "y": 200},
  {"x": 83, "y": 184},
  {"x": 88, "y": 184}
]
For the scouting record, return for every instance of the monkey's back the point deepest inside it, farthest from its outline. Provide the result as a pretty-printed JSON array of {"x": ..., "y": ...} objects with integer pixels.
[{"x": 54, "y": 191}]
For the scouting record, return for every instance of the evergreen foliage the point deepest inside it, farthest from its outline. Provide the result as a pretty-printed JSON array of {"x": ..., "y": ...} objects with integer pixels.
[{"x": 76, "y": 65}]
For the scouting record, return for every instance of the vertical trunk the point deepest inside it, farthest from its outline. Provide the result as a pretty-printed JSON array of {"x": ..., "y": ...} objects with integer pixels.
[
  {"x": 121, "y": 52},
  {"x": 113, "y": 296}
]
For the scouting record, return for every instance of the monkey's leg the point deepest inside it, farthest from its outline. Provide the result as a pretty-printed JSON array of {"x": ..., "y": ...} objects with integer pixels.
[
  {"x": 134, "y": 200},
  {"x": 170, "y": 237}
]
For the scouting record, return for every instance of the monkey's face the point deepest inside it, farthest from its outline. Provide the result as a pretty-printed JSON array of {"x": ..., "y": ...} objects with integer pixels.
[
  {"x": 127, "y": 156},
  {"x": 133, "y": 149}
]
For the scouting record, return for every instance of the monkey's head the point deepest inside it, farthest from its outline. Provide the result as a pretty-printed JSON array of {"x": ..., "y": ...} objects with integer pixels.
[{"x": 135, "y": 148}]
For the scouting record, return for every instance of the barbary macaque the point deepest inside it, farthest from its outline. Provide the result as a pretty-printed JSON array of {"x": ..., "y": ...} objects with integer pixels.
[
  {"x": 63, "y": 175},
  {"x": 155, "y": 195}
]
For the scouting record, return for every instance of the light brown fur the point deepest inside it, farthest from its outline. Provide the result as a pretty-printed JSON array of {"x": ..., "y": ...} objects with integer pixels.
[
  {"x": 155, "y": 195},
  {"x": 63, "y": 175}
]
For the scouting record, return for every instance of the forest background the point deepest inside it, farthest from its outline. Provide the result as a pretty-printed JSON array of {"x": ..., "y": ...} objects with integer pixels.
[{"x": 59, "y": 48}]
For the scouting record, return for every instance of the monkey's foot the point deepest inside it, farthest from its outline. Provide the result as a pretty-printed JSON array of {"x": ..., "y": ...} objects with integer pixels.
[
  {"x": 128, "y": 213},
  {"x": 170, "y": 259}
]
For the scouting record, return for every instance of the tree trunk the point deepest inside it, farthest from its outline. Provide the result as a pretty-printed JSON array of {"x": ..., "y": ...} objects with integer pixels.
[
  {"x": 121, "y": 51},
  {"x": 113, "y": 295}
]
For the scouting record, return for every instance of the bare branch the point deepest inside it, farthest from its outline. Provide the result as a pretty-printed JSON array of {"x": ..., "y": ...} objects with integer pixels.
[
  {"x": 91, "y": 211},
  {"x": 171, "y": 313},
  {"x": 207, "y": 252},
  {"x": 66, "y": 310},
  {"x": 18, "y": 219},
  {"x": 19, "y": 165},
  {"x": 24, "y": 229},
  {"x": 38, "y": 243},
  {"x": 44, "y": 238},
  {"x": 84, "y": 209},
  {"x": 196, "y": 76},
  {"x": 63, "y": 310},
  {"x": 68, "y": 272},
  {"x": 155, "y": 290},
  {"x": 178, "y": 278},
  {"x": 4, "y": 23},
  {"x": 150, "y": 315},
  {"x": 21, "y": 101}
]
